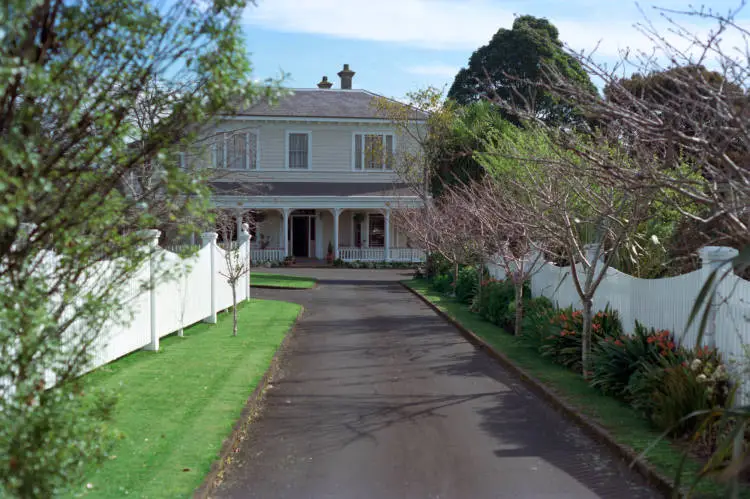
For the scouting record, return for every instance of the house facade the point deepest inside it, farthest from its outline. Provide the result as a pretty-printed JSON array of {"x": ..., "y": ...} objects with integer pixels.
[{"x": 315, "y": 172}]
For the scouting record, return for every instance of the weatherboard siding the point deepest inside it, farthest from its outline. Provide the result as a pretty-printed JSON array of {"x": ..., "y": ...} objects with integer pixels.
[{"x": 332, "y": 151}]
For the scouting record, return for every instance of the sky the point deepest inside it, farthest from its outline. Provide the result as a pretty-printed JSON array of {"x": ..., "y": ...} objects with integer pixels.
[{"x": 398, "y": 46}]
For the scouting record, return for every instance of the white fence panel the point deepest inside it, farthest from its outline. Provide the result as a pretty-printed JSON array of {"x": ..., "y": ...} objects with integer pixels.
[
  {"x": 197, "y": 285},
  {"x": 223, "y": 289},
  {"x": 406, "y": 254}
]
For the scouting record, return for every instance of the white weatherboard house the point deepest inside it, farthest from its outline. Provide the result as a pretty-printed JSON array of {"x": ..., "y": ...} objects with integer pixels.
[{"x": 316, "y": 168}]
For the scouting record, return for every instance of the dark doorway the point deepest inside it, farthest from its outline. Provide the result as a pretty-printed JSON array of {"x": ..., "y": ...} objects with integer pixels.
[{"x": 300, "y": 237}]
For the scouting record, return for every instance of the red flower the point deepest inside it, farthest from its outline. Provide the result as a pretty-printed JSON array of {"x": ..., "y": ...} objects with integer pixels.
[{"x": 619, "y": 343}]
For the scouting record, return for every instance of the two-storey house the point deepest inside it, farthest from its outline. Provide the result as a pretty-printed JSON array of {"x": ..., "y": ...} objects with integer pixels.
[{"x": 317, "y": 169}]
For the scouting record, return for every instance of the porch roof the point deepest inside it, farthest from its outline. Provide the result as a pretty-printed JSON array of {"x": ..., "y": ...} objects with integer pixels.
[{"x": 328, "y": 189}]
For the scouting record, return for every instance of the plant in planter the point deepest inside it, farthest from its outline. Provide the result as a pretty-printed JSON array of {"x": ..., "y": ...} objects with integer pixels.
[
  {"x": 329, "y": 256},
  {"x": 289, "y": 260}
]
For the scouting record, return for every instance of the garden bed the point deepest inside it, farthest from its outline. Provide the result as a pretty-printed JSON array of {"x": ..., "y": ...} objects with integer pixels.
[
  {"x": 626, "y": 426},
  {"x": 176, "y": 406}
]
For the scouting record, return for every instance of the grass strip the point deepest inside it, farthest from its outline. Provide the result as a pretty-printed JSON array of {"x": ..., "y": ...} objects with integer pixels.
[
  {"x": 281, "y": 281},
  {"x": 176, "y": 406}
]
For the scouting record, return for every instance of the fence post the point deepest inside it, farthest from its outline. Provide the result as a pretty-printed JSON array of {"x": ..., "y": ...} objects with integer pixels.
[
  {"x": 712, "y": 258},
  {"x": 209, "y": 239},
  {"x": 243, "y": 240},
  {"x": 152, "y": 241}
]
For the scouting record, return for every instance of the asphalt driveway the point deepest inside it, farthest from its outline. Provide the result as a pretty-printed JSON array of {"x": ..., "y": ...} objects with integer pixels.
[{"x": 380, "y": 398}]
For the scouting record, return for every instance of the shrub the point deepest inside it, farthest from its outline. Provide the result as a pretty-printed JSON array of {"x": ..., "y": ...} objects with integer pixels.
[
  {"x": 536, "y": 321},
  {"x": 565, "y": 343},
  {"x": 496, "y": 296},
  {"x": 615, "y": 360},
  {"x": 442, "y": 283},
  {"x": 436, "y": 265},
  {"x": 681, "y": 383},
  {"x": 467, "y": 284}
]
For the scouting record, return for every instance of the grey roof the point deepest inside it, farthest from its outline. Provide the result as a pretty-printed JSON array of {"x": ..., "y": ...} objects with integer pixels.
[
  {"x": 321, "y": 103},
  {"x": 273, "y": 189}
]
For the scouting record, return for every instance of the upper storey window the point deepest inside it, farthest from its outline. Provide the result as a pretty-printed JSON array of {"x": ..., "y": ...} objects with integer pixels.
[
  {"x": 235, "y": 151},
  {"x": 373, "y": 151},
  {"x": 298, "y": 146}
]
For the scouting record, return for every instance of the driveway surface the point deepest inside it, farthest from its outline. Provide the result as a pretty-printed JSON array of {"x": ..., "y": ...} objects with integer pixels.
[{"x": 380, "y": 398}]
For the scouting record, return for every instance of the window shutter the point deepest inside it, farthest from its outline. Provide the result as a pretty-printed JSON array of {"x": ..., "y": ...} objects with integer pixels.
[
  {"x": 217, "y": 159},
  {"x": 357, "y": 152},
  {"x": 389, "y": 152},
  {"x": 252, "y": 150}
]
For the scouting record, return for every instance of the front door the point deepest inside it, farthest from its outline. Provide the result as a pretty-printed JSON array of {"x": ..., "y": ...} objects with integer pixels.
[{"x": 300, "y": 237}]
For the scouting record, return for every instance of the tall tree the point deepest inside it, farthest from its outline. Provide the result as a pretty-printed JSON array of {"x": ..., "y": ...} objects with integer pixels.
[
  {"x": 510, "y": 65},
  {"x": 74, "y": 75}
]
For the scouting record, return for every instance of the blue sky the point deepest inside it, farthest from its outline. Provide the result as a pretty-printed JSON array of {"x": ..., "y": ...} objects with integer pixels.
[{"x": 400, "y": 45}]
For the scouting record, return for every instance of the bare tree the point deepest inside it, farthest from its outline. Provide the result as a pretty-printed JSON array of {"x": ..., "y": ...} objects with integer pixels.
[
  {"x": 441, "y": 227},
  {"x": 506, "y": 238},
  {"x": 236, "y": 256},
  {"x": 564, "y": 202}
]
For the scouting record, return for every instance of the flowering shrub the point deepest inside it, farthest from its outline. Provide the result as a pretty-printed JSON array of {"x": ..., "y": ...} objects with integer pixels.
[
  {"x": 565, "y": 343},
  {"x": 681, "y": 383},
  {"x": 616, "y": 359}
]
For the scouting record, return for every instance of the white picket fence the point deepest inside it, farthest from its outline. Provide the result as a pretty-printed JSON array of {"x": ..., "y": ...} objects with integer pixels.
[
  {"x": 194, "y": 291},
  {"x": 353, "y": 254},
  {"x": 664, "y": 303}
]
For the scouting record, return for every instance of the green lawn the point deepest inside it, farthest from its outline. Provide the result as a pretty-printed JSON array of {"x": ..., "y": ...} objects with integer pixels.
[
  {"x": 176, "y": 406},
  {"x": 281, "y": 281},
  {"x": 621, "y": 421}
]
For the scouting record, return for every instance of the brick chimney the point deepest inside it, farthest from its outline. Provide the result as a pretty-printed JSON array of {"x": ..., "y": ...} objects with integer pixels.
[
  {"x": 346, "y": 75},
  {"x": 324, "y": 83}
]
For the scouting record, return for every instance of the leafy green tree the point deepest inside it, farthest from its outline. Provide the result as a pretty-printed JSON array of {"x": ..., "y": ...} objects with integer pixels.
[
  {"x": 510, "y": 67},
  {"x": 74, "y": 73},
  {"x": 453, "y": 152}
]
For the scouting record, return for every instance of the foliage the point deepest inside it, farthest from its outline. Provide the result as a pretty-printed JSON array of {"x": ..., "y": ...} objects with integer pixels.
[
  {"x": 82, "y": 167},
  {"x": 467, "y": 284},
  {"x": 565, "y": 344},
  {"x": 442, "y": 283},
  {"x": 454, "y": 150},
  {"x": 616, "y": 359},
  {"x": 496, "y": 302},
  {"x": 680, "y": 383},
  {"x": 536, "y": 324},
  {"x": 435, "y": 265},
  {"x": 512, "y": 63}
]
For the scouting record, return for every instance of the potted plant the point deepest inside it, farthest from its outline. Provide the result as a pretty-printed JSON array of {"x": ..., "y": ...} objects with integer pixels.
[
  {"x": 329, "y": 256},
  {"x": 289, "y": 260}
]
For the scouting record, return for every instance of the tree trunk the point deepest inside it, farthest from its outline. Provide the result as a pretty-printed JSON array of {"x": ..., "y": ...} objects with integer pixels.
[
  {"x": 588, "y": 306},
  {"x": 234, "y": 310},
  {"x": 519, "y": 308}
]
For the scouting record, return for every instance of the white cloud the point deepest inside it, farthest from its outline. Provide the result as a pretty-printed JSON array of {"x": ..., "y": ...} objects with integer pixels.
[
  {"x": 459, "y": 24},
  {"x": 442, "y": 70},
  {"x": 435, "y": 24}
]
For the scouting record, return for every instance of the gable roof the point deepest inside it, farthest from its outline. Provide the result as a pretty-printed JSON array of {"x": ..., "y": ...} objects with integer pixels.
[{"x": 321, "y": 103}]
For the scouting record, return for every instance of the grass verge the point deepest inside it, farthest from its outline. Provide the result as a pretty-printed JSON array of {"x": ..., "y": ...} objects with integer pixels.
[
  {"x": 176, "y": 406},
  {"x": 281, "y": 281},
  {"x": 621, "y": 421}
]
